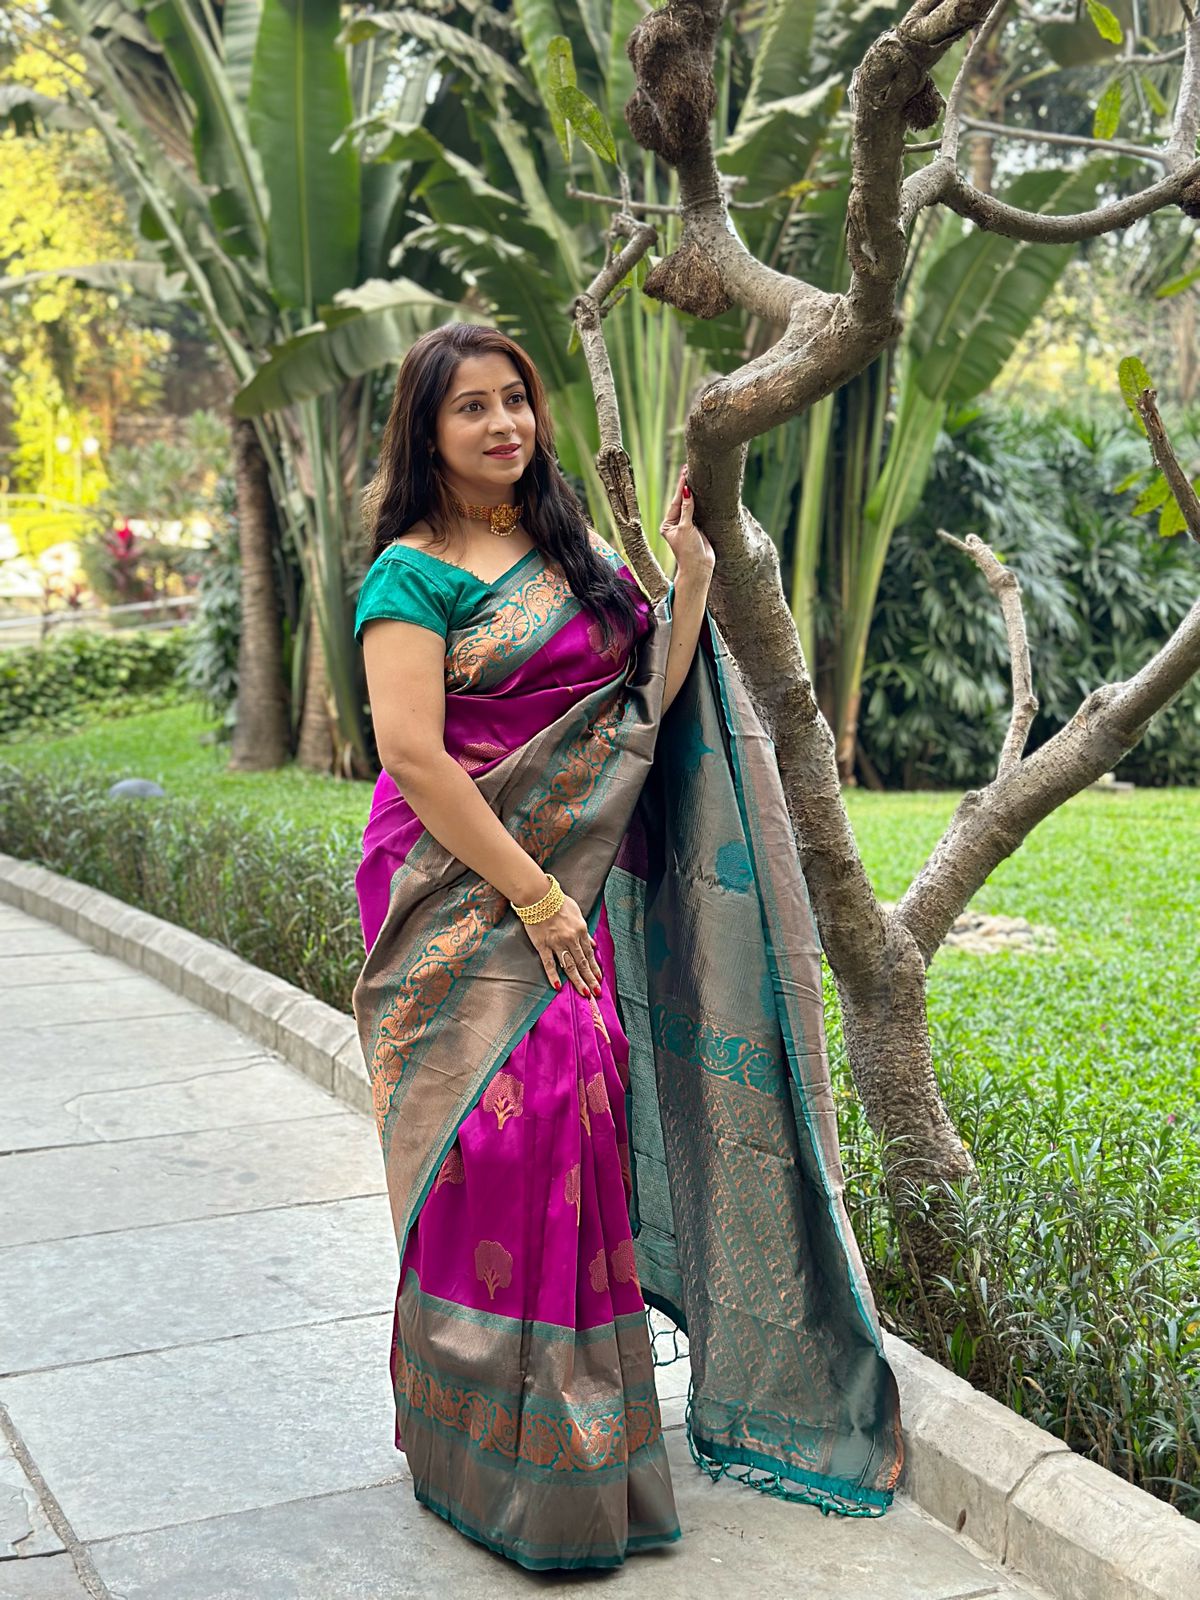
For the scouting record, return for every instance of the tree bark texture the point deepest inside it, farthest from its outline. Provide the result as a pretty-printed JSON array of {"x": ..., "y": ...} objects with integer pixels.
[{"x": 262, "y": 734}]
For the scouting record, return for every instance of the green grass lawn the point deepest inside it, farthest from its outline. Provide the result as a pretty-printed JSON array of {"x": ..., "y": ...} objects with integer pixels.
[
  {"x": 175, "y": 747},
  {"x": 1115, "y": 1004}
]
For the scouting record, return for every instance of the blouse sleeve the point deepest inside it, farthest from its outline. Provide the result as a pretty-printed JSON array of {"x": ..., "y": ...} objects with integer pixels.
[{"x": 404, "y": 591}]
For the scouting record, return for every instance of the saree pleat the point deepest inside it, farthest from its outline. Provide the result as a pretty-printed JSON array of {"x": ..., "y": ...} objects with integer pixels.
[
  {"x": 521, "y": 1362},
  {"x": 555, "y": 1161}
]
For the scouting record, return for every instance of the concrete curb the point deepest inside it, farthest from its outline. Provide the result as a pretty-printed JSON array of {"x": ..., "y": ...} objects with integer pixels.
[{"x": 1017, "y": 1494}]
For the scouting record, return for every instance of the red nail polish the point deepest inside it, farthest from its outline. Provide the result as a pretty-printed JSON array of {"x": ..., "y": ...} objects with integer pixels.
[
  {"x": 687, "y": 493},
  {"x": 557, "y": 985}
]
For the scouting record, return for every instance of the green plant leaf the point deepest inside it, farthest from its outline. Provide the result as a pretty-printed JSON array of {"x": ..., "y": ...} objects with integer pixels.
[
  {"x": 978, "y": 299},
  {"x": 225, "y": 157},
  {"x": 1129, "y": 480},
  {"x": 560, "y": 74},
  {"x": 773, "y": 148},
  {"x": 1108, "y": 112},
  {"x": 1171, "y": 520},
  {"x": 366, "y": 327},
  {"x": 588, "y": 121},
  {"x": 538, "y": 22},
  {"x": 299, "y": 105},
  {"x": 1151, "y": 497},
  {"x": 1157, "y": 104},
  {"x": 782, "y": 58},
  {"x": 239, "y": 29},
  {"x": 479, "y": 61},
  {"x": 1133, "y": 378},
  {"x": 1178, "y": 285},
  {"x": 1107, "y": 25},
  {"x": 619, "y": 78}
]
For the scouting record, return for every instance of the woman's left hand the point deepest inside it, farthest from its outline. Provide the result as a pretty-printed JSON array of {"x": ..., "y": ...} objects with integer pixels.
[{"x": 692, "y": 551}]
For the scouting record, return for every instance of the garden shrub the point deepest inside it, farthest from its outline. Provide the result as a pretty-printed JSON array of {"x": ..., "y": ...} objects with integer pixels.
[
  {"x": 73, "y": 678},
  {"x": 283, "y": 900}
]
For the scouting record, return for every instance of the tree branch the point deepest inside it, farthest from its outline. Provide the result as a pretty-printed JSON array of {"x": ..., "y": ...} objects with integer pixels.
[
  {"x": 891, "y": 92},
  {"x": 1167, "y": 462},
  {"x": 997, "y": 217},
  {"x": 991, "y": 823},
  {"x": 1122, "y": 147},
  {"x": 612, "y": 459},
  {"x": 953, "y": 119},
  {"x": 1005, "y": 585}
]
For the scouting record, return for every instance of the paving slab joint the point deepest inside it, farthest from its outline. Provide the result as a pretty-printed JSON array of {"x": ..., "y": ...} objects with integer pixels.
[
  {"x": 1016, "y": 1493},
  {"x": 93, "y": 1584}
]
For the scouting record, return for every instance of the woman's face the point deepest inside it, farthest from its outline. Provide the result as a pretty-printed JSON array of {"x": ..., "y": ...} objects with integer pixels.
[{"x": 485, "y": 428}]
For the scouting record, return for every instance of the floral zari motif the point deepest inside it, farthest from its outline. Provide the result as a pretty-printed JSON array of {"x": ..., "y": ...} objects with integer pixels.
[
  {"x": 493, "y": 1266},
  {"x": 504, "y": 1097},
  {"x": 538, "y": 1434}
]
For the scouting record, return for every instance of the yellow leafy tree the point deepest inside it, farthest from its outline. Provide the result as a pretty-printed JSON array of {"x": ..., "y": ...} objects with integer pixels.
[{"x": 73, "y": 360}]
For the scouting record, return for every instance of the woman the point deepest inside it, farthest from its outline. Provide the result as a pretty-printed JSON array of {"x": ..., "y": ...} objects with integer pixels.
[{"x": 590, "y": 1008}]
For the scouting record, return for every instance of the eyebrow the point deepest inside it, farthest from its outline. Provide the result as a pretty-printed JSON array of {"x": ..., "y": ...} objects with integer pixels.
[{"x": 463, "y": 394}]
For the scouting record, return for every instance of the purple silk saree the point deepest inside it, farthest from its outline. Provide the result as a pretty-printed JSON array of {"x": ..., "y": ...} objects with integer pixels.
[{"x": 555, "y": 1161}]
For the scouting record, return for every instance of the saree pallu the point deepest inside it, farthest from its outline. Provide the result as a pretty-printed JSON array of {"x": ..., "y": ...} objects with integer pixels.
[{"x": 554, "y": 1160}]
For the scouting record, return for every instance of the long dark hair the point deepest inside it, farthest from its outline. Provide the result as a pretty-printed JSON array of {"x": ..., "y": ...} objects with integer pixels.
[{"x": 409, "y": 486}]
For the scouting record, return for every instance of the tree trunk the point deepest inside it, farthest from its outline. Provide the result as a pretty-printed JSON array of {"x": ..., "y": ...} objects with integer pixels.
[
  {"x": 261, "y": 735},
  {"x": 887, "y": 1044},
  {"x": 315, "y": 751}
]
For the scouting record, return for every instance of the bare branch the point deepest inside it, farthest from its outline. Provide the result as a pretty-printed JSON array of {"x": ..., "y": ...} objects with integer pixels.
[
  {"x": 1005, "y": 585},
  {"x": 891, "y": 92},
  {"x": 991, "y": 823},
  {"x": 612, "y": 459},
  {"x": 1168, "y": 462},
  {"x": 953, "y": 119},
  {"x": 650, "y": 208},
  {"x": 997, "y": 217},
  {"x": 1122, "y": 147}
]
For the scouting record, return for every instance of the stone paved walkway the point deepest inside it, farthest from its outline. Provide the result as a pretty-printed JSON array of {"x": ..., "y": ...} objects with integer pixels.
[{"x": 196, "y": 1262}]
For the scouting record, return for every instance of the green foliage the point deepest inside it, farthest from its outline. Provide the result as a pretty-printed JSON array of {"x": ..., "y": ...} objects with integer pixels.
[
  {"x": 76, "y": 677},
  {"x": 168, "y": 480},
  {"x": 299, "y": 107},
  {"x": 1073, "y": 1076},
  {"x": 281, "y": 896},
  {"x": 210, "y": 664},
  {"x": 1101, "y": 594}
]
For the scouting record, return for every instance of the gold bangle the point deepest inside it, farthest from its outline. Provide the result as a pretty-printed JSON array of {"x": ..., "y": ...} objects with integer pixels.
[{"x": 550, "y": 902}]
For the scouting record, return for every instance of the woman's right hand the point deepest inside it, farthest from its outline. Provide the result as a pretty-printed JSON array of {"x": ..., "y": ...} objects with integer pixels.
[{"x": 567, "y": 931}]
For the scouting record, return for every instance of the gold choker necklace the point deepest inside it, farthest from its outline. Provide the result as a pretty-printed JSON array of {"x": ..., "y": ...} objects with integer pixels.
[{"x": 501, "y": 519}]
